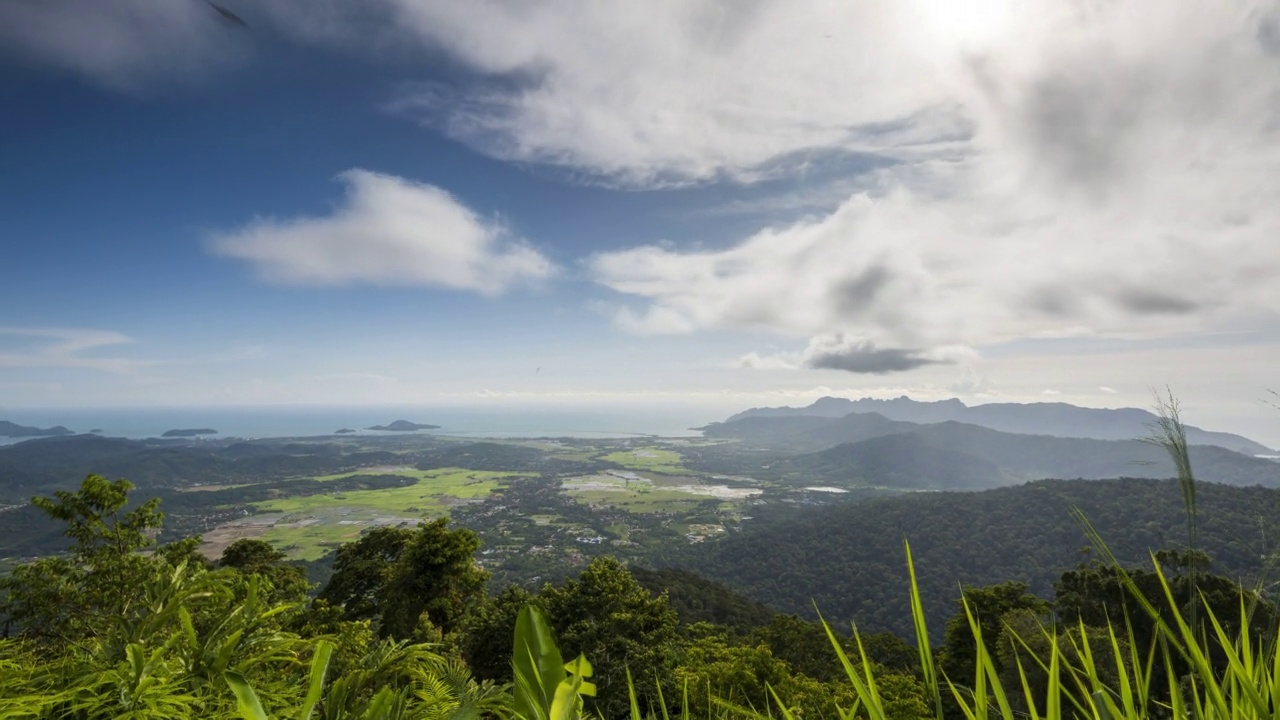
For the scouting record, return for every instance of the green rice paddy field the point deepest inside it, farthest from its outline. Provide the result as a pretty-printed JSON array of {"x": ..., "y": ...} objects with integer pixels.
[
  {"x": 312, "y": 525},
  {"x": 307, "y": 527},
  {"x": 648, "y": 458}
]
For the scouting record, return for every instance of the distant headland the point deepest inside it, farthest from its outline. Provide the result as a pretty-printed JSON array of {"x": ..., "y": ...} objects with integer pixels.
[
  {"x": 343, "y": 431},
  {"x": 188, "y": 432},
  {"x": 403, "y": 426},
  {"x": 8, "y": 429}
]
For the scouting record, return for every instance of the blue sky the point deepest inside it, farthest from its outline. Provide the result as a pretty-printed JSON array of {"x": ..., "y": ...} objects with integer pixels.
[{"x": 425, "y": 202}]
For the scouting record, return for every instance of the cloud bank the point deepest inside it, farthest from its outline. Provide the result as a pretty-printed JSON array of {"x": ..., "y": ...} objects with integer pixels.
[
  {"x": 1120, "y": 180},
  {"x": 388, "y": 231}
]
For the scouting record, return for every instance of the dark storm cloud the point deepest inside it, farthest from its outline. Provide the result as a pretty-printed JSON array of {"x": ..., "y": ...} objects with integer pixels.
[
  {"x": 866, "y": 358},
  {"x": 1154, "y": 302}
]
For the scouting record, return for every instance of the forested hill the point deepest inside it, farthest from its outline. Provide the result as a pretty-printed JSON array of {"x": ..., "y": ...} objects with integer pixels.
[
  {"x": 1058, "y": 419},
  {"x": 860, "y": 450},
  {"x": 807, "y": 432},
  {"x": 697, "y": 599},
  {"x": 848, "y": 559}
]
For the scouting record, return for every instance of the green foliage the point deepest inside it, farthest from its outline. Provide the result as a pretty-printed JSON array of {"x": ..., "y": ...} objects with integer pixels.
[
  {"x": 164, "y": 660},
  {"x": 486, "y": 641},
  {"x": 155, "y": 636},
  {"x": 604, "y": 614},
  {"x": 987, "y": 607},
  {"x": 396, "y": 576},
  {"x": 609, "y": 617},
  {"x": 436, "y": 575},
  {"x": 69, "y": 598},
  {"x": 747, "y": 676},
  {"x": 697, "y": 599},
  {"x": 847, "y": 558},
  {"x": 288, "y": 583},
  {"x": 362, "y": 571},
  {"x": 1025, "y": 651},
  {"x": 250, "y": 556},
  {"x": 546, "y": 688},
  {"x": 395, "y": 680}
]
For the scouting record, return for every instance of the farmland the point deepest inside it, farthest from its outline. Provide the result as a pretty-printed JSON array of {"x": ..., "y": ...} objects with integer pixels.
[
  {"x": 653, "y": 459},
  {"x": 309, "y": 526},
  {"x": 541, "y": 507}
]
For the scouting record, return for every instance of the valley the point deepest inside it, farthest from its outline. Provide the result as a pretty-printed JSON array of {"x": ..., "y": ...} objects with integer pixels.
[{"x": 752, "y": 503}]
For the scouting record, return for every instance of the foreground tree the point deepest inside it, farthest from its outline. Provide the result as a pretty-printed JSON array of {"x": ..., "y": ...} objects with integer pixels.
[
  {"x": 160, "y": 635},
  {"x": 257, "y": 557},
  {"x": 395, "y": 576},
  {"x": 988, "y": 606},
  {"x": 604, "y": 614},
  {"x": 102, "y": 579},
  {"x": 613, "y": 620}
]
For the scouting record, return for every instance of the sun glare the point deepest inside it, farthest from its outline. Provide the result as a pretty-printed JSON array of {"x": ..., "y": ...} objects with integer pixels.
[{"x": 969, "y": 24}]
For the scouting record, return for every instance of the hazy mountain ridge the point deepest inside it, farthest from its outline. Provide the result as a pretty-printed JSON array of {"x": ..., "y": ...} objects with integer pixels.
[
  {"x": 808, "y": 431},
  {"x": 1057, "y": 419},
  {"x": 868, "y": 449},
  {"x": 951, "y": 456},
  {"x": 902, "y": 460}
]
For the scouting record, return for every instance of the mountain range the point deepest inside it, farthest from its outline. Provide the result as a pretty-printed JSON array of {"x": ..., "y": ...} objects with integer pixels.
[
  {"x": 870, "y": 450},
  {"x": 1058, "y": 419}
]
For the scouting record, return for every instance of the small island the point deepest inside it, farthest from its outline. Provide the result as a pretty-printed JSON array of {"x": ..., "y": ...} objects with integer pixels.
[
  {"x": 14, "y": 430},
  {"x": 343, "y": 431},
  {"x": 189, "y": 432},
  {"x": 403, "y": 426}
]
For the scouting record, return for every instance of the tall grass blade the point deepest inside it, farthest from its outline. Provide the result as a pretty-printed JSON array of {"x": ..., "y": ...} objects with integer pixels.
[
  {"x": 987, "y": 674},
  {"x": 315, "y": 683},
  {"x": 864, "y": 684},
  {"x": 1053, "y": 694},
  {"x": 927, "y": 666},
  {"x": 631, "y": 696},
  {"x": 246, "y": 699}
]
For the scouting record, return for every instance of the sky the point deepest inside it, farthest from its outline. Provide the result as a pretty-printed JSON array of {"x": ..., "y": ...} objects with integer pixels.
[{"x": 564, "y": 202}]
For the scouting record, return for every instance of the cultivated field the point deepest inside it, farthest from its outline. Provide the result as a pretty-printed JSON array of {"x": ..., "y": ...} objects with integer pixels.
[{"x": 306, "y": 527}]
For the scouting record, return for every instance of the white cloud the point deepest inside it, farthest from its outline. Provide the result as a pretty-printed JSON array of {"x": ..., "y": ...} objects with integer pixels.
[
  {"x": 1051, "y": 392},
  {"x": 672, "y": 92},
  {"x": 777, "y": 361},
  {"x": 389, "y": 231},
  {"x": 633, "y": 93},
  {"x": 66, "y": 348},
  {"x": 1108, "y": 390},
  {"x": 971, "y": 383},
  {"x": 1120, "y": 180}
]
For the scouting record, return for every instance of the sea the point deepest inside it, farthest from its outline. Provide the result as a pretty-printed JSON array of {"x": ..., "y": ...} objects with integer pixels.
[{"x": 298, "y": 421}]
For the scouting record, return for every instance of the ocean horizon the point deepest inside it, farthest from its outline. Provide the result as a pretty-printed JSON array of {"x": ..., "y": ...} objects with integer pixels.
[{"x": 297, "y": 421}]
